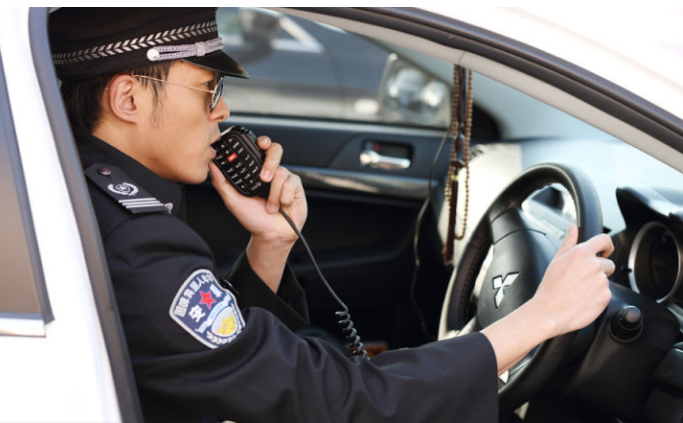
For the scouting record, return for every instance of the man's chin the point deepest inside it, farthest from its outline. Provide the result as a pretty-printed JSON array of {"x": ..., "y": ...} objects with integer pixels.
[
  {"x": 195, "y": 178},
  {"x": 203, "y": 177},
  {"x": 207, "y": 176}
]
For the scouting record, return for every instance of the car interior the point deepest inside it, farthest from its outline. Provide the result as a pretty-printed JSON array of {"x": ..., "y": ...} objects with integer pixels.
[
  {"x": 368, "y": 236},
  {"x": 374, "y": 161}
]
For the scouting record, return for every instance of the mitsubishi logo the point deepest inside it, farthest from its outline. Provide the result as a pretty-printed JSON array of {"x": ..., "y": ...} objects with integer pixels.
[{"x": 499, "y": 284}]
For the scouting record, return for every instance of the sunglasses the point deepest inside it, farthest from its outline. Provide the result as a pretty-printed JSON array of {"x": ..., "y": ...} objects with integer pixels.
[{"x": 216, "y": 93}]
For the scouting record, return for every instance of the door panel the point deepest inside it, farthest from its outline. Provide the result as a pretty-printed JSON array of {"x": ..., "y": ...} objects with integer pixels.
[
  {"x": 361, "y": 220},
  {"x": 357, "y": 124}
]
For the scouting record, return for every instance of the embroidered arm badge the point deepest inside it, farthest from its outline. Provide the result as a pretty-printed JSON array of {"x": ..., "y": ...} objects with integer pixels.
[{"x": 207, "y": 311}]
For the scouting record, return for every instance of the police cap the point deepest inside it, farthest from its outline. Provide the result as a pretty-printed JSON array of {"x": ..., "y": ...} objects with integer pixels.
[{"x": 87, "y": 42}]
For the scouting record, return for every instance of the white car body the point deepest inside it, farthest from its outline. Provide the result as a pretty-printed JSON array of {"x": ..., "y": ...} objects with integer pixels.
[{"x": 61, "y": 370}]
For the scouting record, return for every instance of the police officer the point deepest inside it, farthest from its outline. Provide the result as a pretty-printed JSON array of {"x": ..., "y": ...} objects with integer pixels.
[{"x": 142, "y": 88}]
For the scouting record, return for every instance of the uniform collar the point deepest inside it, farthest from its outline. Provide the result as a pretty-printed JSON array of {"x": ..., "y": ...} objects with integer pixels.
[{"x": 92, "y": 149}]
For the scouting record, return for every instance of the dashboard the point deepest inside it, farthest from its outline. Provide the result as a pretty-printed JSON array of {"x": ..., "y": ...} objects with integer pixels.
[
  {"x": 629, "y": 374},
  {"x": 649, "y": 251},
  {"x": 638, "y": 375}
]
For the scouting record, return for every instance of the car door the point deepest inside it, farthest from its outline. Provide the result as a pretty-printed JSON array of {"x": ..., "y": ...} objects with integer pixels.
[
  {"x": 60, "y": 335},
  {"x": 355, "y": 127}
]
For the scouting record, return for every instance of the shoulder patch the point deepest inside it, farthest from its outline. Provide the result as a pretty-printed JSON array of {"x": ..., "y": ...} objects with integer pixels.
[
  {"x": 206, "y": 310},
  {"x": 121, "y": 188}
]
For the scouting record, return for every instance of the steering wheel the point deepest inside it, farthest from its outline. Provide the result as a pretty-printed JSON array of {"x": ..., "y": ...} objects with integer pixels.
[{"x": 520, "y": 255}]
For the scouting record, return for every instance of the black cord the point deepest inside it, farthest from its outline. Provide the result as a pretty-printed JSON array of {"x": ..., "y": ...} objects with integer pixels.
[
  {"x": 418, "y": 225},
  {"x": 350, "y": 333}
]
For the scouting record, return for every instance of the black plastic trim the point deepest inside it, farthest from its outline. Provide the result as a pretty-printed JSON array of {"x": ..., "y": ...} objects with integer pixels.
[
  {"x": 105, "y": 302},
  {"x": 576, "y": 81},
  {"x": 35, "y": 273}
]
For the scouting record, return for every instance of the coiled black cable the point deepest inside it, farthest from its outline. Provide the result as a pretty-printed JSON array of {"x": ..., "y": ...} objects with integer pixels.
[{"x": 350, "y": 333}]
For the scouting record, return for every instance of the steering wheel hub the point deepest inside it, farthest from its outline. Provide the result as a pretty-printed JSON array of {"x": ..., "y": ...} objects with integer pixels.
[{"x": 521, "y": 253}]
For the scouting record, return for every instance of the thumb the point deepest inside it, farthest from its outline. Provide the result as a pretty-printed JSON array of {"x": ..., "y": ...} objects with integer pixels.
[
  {"x": 221, "y": 184},
  {"x": 570, "y": 240}
]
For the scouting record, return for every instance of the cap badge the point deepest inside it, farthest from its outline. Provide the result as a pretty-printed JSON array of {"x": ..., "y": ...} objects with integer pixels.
[{"x": 180, "y": 51}]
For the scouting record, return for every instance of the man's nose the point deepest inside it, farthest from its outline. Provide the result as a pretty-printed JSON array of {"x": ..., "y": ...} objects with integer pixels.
[{"x": 221, "y": 112}]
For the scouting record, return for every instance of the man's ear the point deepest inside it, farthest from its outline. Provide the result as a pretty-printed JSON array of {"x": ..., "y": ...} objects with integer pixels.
[{"x": 121, "y": 98}]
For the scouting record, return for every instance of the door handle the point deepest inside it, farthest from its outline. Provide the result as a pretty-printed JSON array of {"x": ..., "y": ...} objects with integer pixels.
[{"x": 373, "y": 159}]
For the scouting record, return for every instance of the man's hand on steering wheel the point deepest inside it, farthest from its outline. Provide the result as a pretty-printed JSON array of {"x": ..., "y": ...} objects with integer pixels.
[{"x": 574, "y": 291}]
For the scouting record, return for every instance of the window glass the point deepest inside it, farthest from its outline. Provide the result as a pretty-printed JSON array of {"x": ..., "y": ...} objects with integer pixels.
[
  {"x": 305, "y": 69},
  {"x": 20, "y": 296}
]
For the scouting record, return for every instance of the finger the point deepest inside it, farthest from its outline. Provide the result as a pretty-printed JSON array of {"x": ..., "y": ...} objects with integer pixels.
[
  {"x": 570, "y": 240},
  {"x": 281, "y": 175},
  {"x": 289, "y": 189},
  {"x": 601, "y": 244},
  {"x": 607, "y": 266},
  {"x": 609, "y": 250},
  {"x": 217, "y": 177},
  {"x": 220, "y": 183},
  {"x": 264, "y": 142},
  {"x": 272, "y": 161}
]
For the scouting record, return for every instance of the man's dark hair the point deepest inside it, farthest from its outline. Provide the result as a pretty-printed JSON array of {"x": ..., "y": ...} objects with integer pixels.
[{"x": 83, "y": 98}]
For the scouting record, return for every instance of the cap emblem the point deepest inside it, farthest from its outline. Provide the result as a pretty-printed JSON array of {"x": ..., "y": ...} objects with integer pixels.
[
  {"x": 201, "y": 48},
  {"x": 198, "y": 49}
]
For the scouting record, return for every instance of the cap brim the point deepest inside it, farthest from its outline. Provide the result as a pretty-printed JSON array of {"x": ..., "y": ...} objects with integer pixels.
[{"x": 219, "y": 62}]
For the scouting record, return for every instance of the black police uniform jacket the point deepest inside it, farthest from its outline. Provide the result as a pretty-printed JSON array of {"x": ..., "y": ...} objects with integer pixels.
[{"x": 196, "y": 354}]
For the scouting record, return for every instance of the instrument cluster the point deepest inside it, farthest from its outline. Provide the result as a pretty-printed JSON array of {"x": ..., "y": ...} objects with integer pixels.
[{"x": 649, "y": 252}]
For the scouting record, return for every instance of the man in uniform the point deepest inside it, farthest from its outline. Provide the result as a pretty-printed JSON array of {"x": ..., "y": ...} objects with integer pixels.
[{"x": 142, "y": 88}]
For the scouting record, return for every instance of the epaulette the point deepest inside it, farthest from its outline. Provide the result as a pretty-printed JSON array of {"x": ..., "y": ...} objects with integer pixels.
[{"x": 121, "y": 188}]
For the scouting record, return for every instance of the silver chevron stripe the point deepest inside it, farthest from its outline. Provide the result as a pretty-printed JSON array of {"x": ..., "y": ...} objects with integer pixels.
[
  {"x": 151, "y": 40},
  {"x": 141, "y": 202}
]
